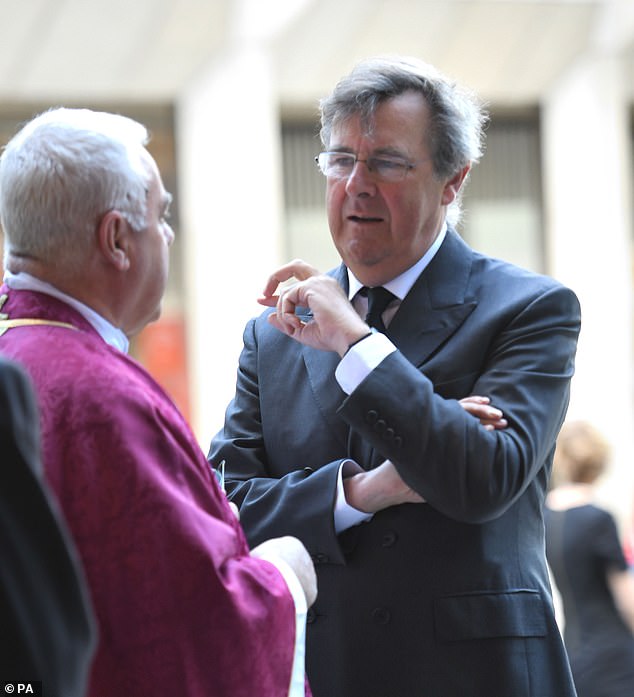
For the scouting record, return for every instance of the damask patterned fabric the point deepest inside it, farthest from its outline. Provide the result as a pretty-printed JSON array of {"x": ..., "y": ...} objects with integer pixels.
[{"x": 182, "y": 608}]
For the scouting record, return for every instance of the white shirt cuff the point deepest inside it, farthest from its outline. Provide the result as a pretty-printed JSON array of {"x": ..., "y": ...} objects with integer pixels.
[
  {"x": 344, "y": 514},
  {"x": 361, "y": 360}
]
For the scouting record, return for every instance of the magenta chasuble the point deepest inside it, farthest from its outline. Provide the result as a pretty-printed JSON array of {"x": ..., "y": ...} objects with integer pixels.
[{"x": 183, "y": 610}]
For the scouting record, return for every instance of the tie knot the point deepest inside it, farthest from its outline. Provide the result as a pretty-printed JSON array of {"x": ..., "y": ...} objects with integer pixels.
[{"x": 378, "y": 299}]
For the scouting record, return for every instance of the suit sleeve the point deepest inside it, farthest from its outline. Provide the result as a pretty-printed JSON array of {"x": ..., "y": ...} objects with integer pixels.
[
  {"x": 464, "y": 471},
  {"x": 306, "y": 494}
]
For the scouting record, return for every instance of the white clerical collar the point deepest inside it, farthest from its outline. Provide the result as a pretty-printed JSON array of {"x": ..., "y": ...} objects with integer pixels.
[
  {"x": 107, "y": 331},
  {"x": 401, "y": 285}
]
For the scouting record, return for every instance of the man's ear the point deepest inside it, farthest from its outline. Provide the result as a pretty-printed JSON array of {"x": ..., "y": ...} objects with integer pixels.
[
  {"x": 113, "y": 238},
  {"x": 452, "y": 187}
]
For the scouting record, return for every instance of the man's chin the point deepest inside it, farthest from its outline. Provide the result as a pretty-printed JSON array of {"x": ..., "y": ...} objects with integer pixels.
[
  {"x": 360, "y": 255},
  {"x": 135, "y": 331}
]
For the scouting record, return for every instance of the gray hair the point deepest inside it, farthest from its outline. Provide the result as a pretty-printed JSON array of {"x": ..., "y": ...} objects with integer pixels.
[
  {"x": 457, "y": 117},
  {"x": 61, "y": 172}
]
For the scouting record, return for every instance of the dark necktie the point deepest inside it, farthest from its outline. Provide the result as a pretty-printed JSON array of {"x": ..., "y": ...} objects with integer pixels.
[{"x": 378, "y": 299}]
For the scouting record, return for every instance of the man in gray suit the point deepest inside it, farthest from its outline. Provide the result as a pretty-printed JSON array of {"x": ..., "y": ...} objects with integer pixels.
[{"x": 425, "y": 525}]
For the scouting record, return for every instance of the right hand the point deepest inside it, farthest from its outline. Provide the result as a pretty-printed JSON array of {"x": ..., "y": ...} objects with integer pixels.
[
  {"x": 335, "y": 323},
  {"x": 293, "y": 552}
]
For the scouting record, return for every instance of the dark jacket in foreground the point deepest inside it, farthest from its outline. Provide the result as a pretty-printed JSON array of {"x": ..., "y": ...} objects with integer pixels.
[{"x": 48, "y": 628}]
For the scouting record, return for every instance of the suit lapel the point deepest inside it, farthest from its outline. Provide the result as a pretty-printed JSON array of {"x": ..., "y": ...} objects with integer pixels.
[
  {"x": 320, "y": 367},
  {"x": 437, "y": 304},
  {"x": 433, "y": 310}
]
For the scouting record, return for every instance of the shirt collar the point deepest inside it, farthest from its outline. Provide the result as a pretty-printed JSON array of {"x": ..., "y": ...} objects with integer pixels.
[
  {"x": 107, "y": 331},
  {"x": 401, "y": 285}
]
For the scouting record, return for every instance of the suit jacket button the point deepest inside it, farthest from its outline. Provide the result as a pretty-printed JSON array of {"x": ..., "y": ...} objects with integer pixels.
[
  {"x": 389, "y": 538},
  {"x": 379, "y": 426},
  {"x": 320, "y": 558},
  {"x": 371, "y": 417},
  {"x": 398, "y": 442},
  {"x": 381, "y": 615},
  {"x": 311, "y": 616},
  {"x": 308, "y": 470}
]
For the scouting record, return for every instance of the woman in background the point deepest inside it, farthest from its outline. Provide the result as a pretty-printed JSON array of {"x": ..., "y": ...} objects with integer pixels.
[{"x": 589, "y": 568}]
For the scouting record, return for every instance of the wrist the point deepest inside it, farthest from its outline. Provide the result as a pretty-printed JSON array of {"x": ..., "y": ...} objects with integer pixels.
[
  {"x": 353, "y": 338},
  {"x": 353, "y": 488},
  {"x": 357, "y": 341}
]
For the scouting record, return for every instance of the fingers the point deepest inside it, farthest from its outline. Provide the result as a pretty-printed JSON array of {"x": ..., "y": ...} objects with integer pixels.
[
  {"x": 288, "y": 324},
  {"x": 297, "y": 269},
  {"x": 495, "y": 424},
  {"x": 333, "y": 324},
  {"x": 475, "y": 399},
  {"x": 479, "y": 407},
  {"x": 284, "y": 317}
]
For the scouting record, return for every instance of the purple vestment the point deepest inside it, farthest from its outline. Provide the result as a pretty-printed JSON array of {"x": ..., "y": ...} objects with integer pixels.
[{"x": 182, "y": 608}]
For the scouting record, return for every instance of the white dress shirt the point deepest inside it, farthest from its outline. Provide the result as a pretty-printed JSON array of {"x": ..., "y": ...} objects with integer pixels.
[
  {"x": 364, "y": 357},
  {"x": 107, "y": 331}
]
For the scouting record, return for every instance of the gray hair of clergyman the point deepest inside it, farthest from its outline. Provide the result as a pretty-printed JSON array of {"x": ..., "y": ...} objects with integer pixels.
[
  {"x": 457, "y": 117},
  {"x": 62, "y": 172}
]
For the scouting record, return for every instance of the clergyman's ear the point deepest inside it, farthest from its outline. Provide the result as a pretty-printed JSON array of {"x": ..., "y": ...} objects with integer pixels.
[{"x": 113, "y": 236}]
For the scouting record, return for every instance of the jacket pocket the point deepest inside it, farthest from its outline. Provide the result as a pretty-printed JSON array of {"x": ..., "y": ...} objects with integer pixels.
[{"x": 487, "y": 615}]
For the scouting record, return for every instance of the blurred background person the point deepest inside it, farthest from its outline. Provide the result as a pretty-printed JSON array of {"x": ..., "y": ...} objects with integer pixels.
[{"x": 589, "y": 567}]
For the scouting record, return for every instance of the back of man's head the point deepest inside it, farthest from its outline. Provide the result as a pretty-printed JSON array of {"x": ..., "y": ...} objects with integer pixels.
[{"x": 60, "y": 173}]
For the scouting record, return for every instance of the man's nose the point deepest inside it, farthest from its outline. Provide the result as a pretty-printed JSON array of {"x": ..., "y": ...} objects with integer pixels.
[{"x": 361, "y": 180}]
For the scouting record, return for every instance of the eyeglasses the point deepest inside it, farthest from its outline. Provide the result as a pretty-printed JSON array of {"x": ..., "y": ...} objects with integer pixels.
[{"x": 339, "y": 165}]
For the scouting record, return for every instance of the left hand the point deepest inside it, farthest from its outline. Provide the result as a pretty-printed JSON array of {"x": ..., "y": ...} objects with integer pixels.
[{"x": 480, "y": 407}]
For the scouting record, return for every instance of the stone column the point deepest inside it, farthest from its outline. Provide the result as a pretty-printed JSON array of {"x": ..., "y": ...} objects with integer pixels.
[
  {"x": 231, "y": 202},
  {"x": 587, "y": 165}
]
